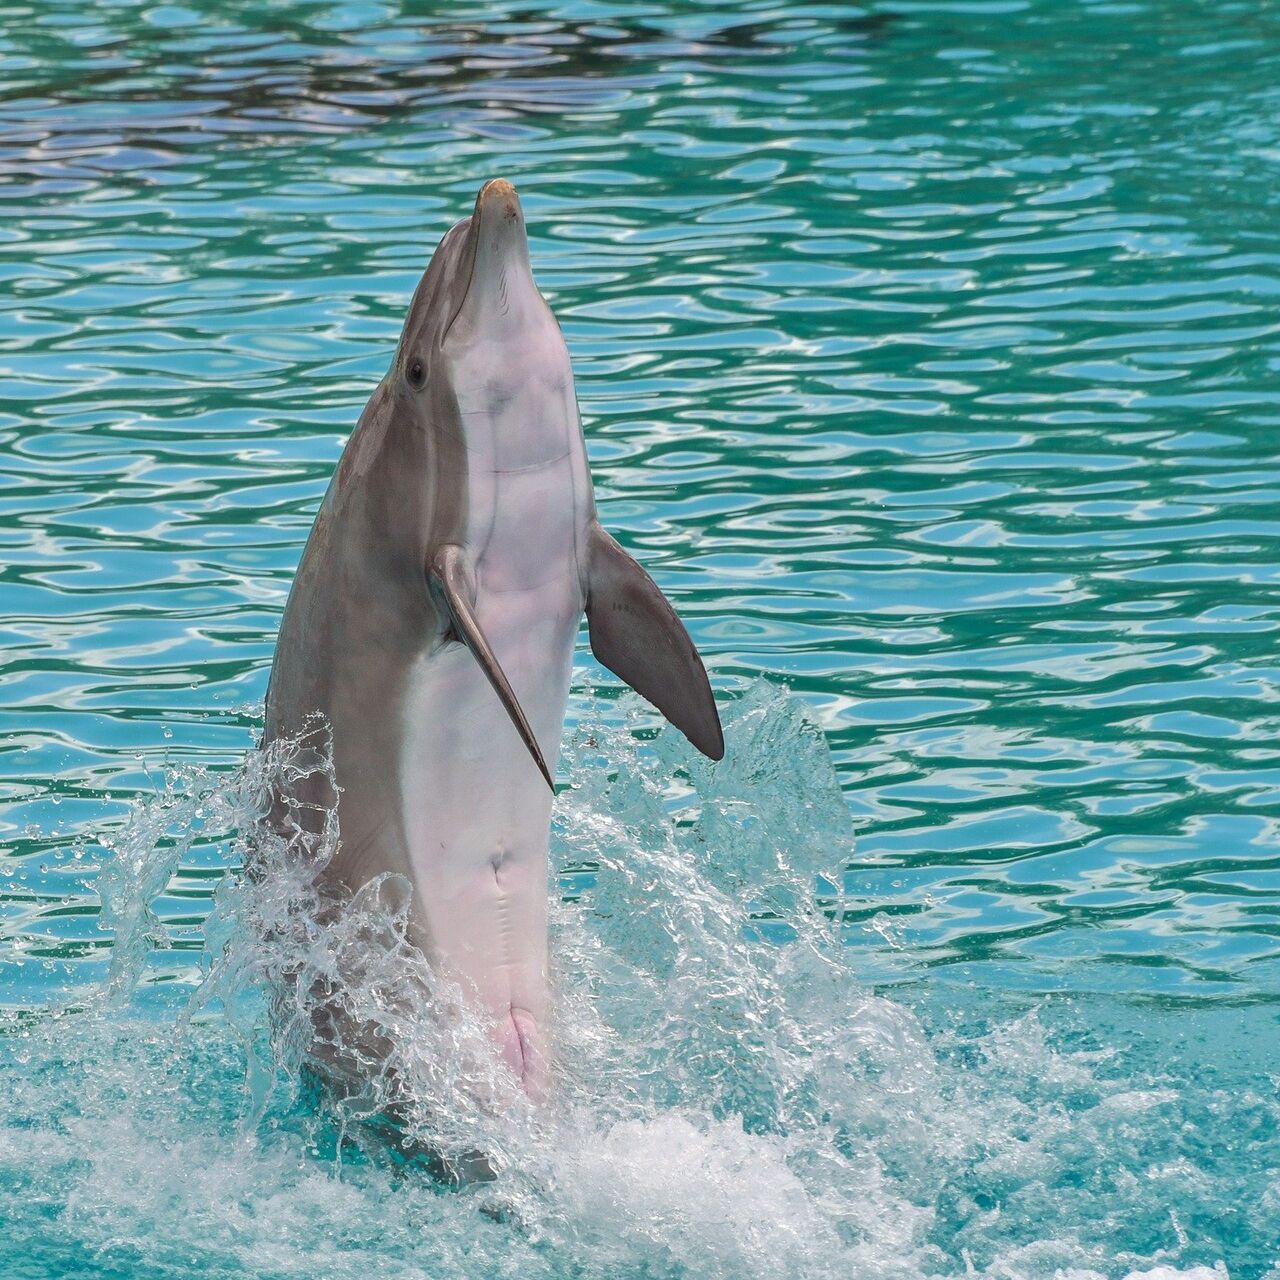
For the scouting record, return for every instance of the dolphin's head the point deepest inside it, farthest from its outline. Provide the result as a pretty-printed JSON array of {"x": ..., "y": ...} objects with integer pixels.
[{"x": 481, "y": 352}]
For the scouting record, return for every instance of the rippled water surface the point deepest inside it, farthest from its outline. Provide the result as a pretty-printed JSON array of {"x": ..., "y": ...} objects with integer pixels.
[{"x": 929, "y": 357}]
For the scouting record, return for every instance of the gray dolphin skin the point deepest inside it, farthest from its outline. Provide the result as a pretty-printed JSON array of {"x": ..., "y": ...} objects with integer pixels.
[{"x": 433, "y": 619}]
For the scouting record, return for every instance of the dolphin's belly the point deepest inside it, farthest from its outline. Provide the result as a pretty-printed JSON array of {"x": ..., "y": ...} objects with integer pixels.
[{"x": 475, "y": 810}]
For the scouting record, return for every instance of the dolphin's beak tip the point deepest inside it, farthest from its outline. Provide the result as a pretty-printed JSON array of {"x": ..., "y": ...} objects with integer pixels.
[
  {"x": 498, "y": 191},
  {"x": 496, "y": 253}
]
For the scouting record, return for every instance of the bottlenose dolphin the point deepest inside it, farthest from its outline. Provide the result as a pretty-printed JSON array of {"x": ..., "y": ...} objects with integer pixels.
[{"x": 433, "y": 619}]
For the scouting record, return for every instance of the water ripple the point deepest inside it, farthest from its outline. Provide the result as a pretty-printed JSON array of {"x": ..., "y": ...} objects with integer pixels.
[{"x": 927, "y": 357}]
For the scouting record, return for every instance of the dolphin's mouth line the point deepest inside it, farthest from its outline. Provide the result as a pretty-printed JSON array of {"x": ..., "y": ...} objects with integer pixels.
[{"x": 466, "y": 293}]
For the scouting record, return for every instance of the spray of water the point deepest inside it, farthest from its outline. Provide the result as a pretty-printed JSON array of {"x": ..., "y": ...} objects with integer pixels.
[{"x": 728, "y": 1099}]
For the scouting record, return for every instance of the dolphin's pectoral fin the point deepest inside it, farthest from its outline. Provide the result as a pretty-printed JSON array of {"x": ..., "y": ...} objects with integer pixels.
[
  {"x": 636, "y": 634},
  {"x": 451, "y": 583}
]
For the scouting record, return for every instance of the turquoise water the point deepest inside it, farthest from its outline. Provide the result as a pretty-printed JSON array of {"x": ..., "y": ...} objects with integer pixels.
[{"x": 929, "y": 357}]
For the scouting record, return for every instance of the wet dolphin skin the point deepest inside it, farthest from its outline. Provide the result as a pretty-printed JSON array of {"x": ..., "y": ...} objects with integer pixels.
[{"x": 433, "y": 619}]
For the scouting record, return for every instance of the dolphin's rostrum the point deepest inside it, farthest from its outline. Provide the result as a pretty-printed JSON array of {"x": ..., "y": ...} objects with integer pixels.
[{"x": 433, "y": 618}]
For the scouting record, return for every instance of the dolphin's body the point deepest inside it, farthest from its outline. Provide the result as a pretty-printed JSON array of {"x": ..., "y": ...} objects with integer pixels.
[{"x": 433, "y": 618}]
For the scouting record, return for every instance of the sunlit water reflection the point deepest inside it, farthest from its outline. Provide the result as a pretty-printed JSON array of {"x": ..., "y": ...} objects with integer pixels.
[{"x": 929, "y": 359}]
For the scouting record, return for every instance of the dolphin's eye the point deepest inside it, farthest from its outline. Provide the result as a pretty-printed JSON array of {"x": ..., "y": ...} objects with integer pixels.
[{"x": 416, "y": 374}]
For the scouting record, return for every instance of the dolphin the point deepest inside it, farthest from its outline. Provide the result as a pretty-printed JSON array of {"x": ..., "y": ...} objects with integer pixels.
[{"x": 433, "y": 619}]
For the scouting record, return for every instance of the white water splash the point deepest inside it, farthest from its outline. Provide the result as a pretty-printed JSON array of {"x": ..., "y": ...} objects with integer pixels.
[{"x": 728, "y": 1100}]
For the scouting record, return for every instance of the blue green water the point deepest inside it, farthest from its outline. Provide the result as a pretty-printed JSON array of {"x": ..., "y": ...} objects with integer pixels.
[{"x": 929, "y": 357}]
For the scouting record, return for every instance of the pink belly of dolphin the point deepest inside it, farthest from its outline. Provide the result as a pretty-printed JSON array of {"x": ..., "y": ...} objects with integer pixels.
[{"x": 476, "y": 810}]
